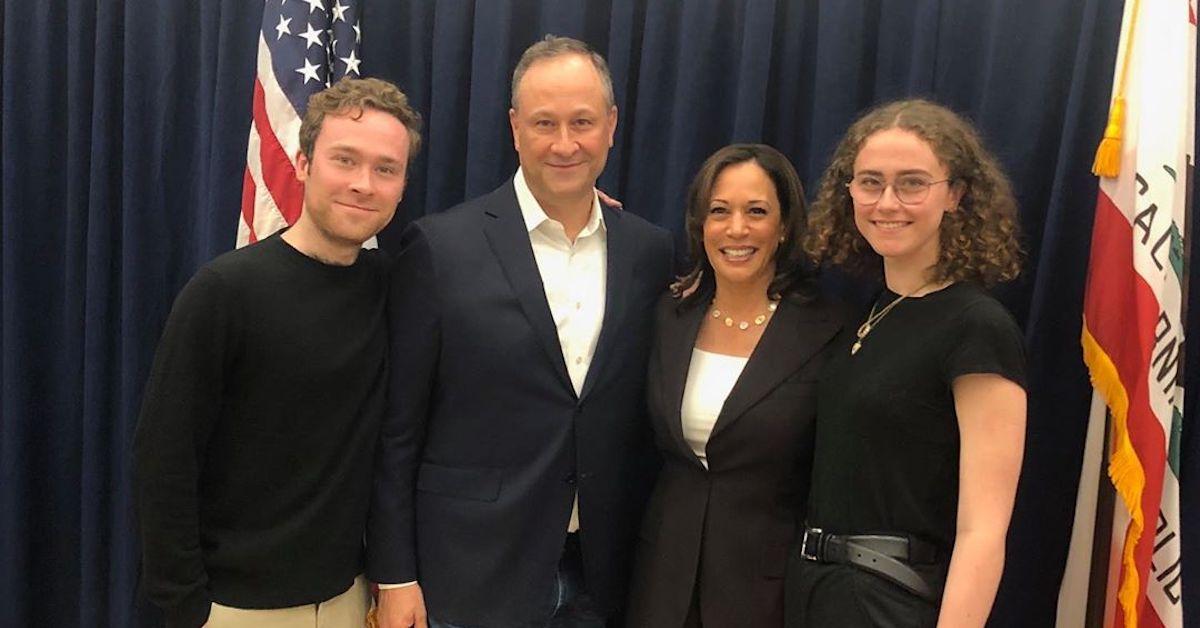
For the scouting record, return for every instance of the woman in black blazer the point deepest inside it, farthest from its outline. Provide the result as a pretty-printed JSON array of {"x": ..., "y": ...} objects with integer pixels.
[{"x": 740, "y": 343}]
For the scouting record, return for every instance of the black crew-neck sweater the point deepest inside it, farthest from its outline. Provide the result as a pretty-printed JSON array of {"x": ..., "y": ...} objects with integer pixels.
[{"x": 255, "y": 445}]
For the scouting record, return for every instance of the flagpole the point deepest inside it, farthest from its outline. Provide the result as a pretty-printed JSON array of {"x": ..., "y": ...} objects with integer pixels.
[
  {"x": 1106, "y": 505},
  {"x": 1085, "y": 577}
]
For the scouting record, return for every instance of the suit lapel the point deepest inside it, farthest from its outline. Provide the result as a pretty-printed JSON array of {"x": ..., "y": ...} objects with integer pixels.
[
  {"x": 618, "y": 276},
  {"x": 506, "y": 234},
  {"x": 794, "y": 335},
  {"x": 675, "y": 358}
]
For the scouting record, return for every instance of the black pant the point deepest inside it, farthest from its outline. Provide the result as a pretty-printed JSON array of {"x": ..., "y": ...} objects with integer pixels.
[
  {"x": 827, "y": 595},
  {"x": 693, "y": 617}
]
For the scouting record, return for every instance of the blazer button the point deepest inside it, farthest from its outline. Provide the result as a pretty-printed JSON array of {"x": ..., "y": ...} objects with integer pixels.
[{"x": 570, "y": 479}]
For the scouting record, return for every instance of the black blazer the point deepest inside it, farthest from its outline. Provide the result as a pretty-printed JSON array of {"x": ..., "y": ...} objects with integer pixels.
[
  {"x": 485, "y": 442},
  {"x": 727, "y": 529}
]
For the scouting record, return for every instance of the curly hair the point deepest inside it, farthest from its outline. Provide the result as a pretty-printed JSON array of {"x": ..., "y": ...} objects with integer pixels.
[
  {"x": 978, "y": 243},
  {"x": 351, "y": 96},
  {"x": 794, "y": 276}
]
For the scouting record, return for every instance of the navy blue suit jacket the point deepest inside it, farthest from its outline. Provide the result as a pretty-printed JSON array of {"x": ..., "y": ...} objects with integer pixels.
[{"x": 485, "y": 442}]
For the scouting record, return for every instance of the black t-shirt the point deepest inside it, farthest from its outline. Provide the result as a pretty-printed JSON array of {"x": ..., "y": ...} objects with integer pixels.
[{"x": 887, "y": 441}]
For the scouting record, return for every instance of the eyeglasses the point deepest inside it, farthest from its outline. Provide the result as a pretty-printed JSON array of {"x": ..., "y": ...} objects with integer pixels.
[{"x": 910, "y": 190}]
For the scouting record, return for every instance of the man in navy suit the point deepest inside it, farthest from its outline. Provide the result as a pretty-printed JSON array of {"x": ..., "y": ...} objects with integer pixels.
[{"x": 515, "y": 456}]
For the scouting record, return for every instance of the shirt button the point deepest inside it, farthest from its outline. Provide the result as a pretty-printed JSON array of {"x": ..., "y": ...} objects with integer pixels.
[
  {"x": 579, "y": 360},
  {"x": 578, "y": 305}
]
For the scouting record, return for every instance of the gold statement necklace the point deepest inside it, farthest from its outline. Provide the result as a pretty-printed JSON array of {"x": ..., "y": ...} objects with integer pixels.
[
  {"x": 744, "y": 325},
  {"x": 873, "y": 318}
]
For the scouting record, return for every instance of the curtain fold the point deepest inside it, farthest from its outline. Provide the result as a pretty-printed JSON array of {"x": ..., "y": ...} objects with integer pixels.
[{"x": 124, "y": 127}]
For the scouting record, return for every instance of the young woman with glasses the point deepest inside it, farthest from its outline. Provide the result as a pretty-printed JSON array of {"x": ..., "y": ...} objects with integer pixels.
[{"x": 921, "y": 412}]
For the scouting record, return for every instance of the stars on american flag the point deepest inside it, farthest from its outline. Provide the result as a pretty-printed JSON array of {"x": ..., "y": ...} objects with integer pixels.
[
  {"x": 309, "y": 72},
  {"x": 282, "y": 28},
  {"x": 339, "y": 11},
  {"x": 312, "y": 36},
  {"x": 315, "y": 41},
  {"x": 351, "y": 63}
]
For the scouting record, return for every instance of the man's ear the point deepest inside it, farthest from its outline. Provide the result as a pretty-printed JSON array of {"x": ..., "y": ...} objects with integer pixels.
[
  {"x": 514, "y": 124},
  {"x": 301, "y": 167},
  {"x": 612, "y": 125}
]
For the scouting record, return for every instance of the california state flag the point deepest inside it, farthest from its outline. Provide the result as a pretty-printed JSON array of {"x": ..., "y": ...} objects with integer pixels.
[{"x": 1133, "y": 309}]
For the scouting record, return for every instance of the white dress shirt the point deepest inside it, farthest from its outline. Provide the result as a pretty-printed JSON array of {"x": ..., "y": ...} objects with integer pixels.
[
  {"x": 710, "y": 378},
  {"x": 574, "y": 276}
]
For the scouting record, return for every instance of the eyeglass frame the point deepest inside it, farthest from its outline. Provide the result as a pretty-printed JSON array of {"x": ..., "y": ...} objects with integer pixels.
[{"x": 892, "y": 185}]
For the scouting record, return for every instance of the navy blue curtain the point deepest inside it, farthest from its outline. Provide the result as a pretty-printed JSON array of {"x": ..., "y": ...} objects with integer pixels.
[
  {"x": 123, "y": 142},
  {"x": 123, "y": 128}
]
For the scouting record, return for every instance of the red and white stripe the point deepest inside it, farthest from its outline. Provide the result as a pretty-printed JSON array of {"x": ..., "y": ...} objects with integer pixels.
[{"x": 272, "y": 197}]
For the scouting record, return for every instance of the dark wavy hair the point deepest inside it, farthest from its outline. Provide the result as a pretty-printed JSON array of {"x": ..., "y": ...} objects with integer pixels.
[
  {"x": 794, "y": 276},
  {"x": 979, "y": 242}
]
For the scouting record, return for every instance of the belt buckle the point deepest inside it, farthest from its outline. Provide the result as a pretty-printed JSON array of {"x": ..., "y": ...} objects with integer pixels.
[{"x": 804, "y": 544}]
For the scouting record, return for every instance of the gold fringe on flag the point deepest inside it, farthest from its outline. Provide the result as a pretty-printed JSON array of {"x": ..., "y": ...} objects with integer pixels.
[{"x": 1124, "y": 466}]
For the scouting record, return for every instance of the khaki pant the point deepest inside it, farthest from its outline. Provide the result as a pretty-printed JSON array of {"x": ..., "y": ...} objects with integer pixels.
[{"x": 348, "y": 610}]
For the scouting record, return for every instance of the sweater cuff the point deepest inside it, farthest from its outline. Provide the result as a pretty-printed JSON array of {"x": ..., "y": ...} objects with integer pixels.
[{"x": 192, "y": 612}]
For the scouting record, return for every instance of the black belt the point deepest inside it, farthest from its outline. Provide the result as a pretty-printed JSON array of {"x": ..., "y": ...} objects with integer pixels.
[{"x": 885, "y": 555}]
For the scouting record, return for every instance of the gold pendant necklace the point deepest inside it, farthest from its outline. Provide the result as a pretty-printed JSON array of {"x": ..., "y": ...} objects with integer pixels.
[
  {"x": 744, "y": 325},
  {"x": 874, "y": 318}
]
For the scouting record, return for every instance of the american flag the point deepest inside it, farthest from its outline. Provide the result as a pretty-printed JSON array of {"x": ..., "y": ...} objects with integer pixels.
[{"x": 303, "y": 47}]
